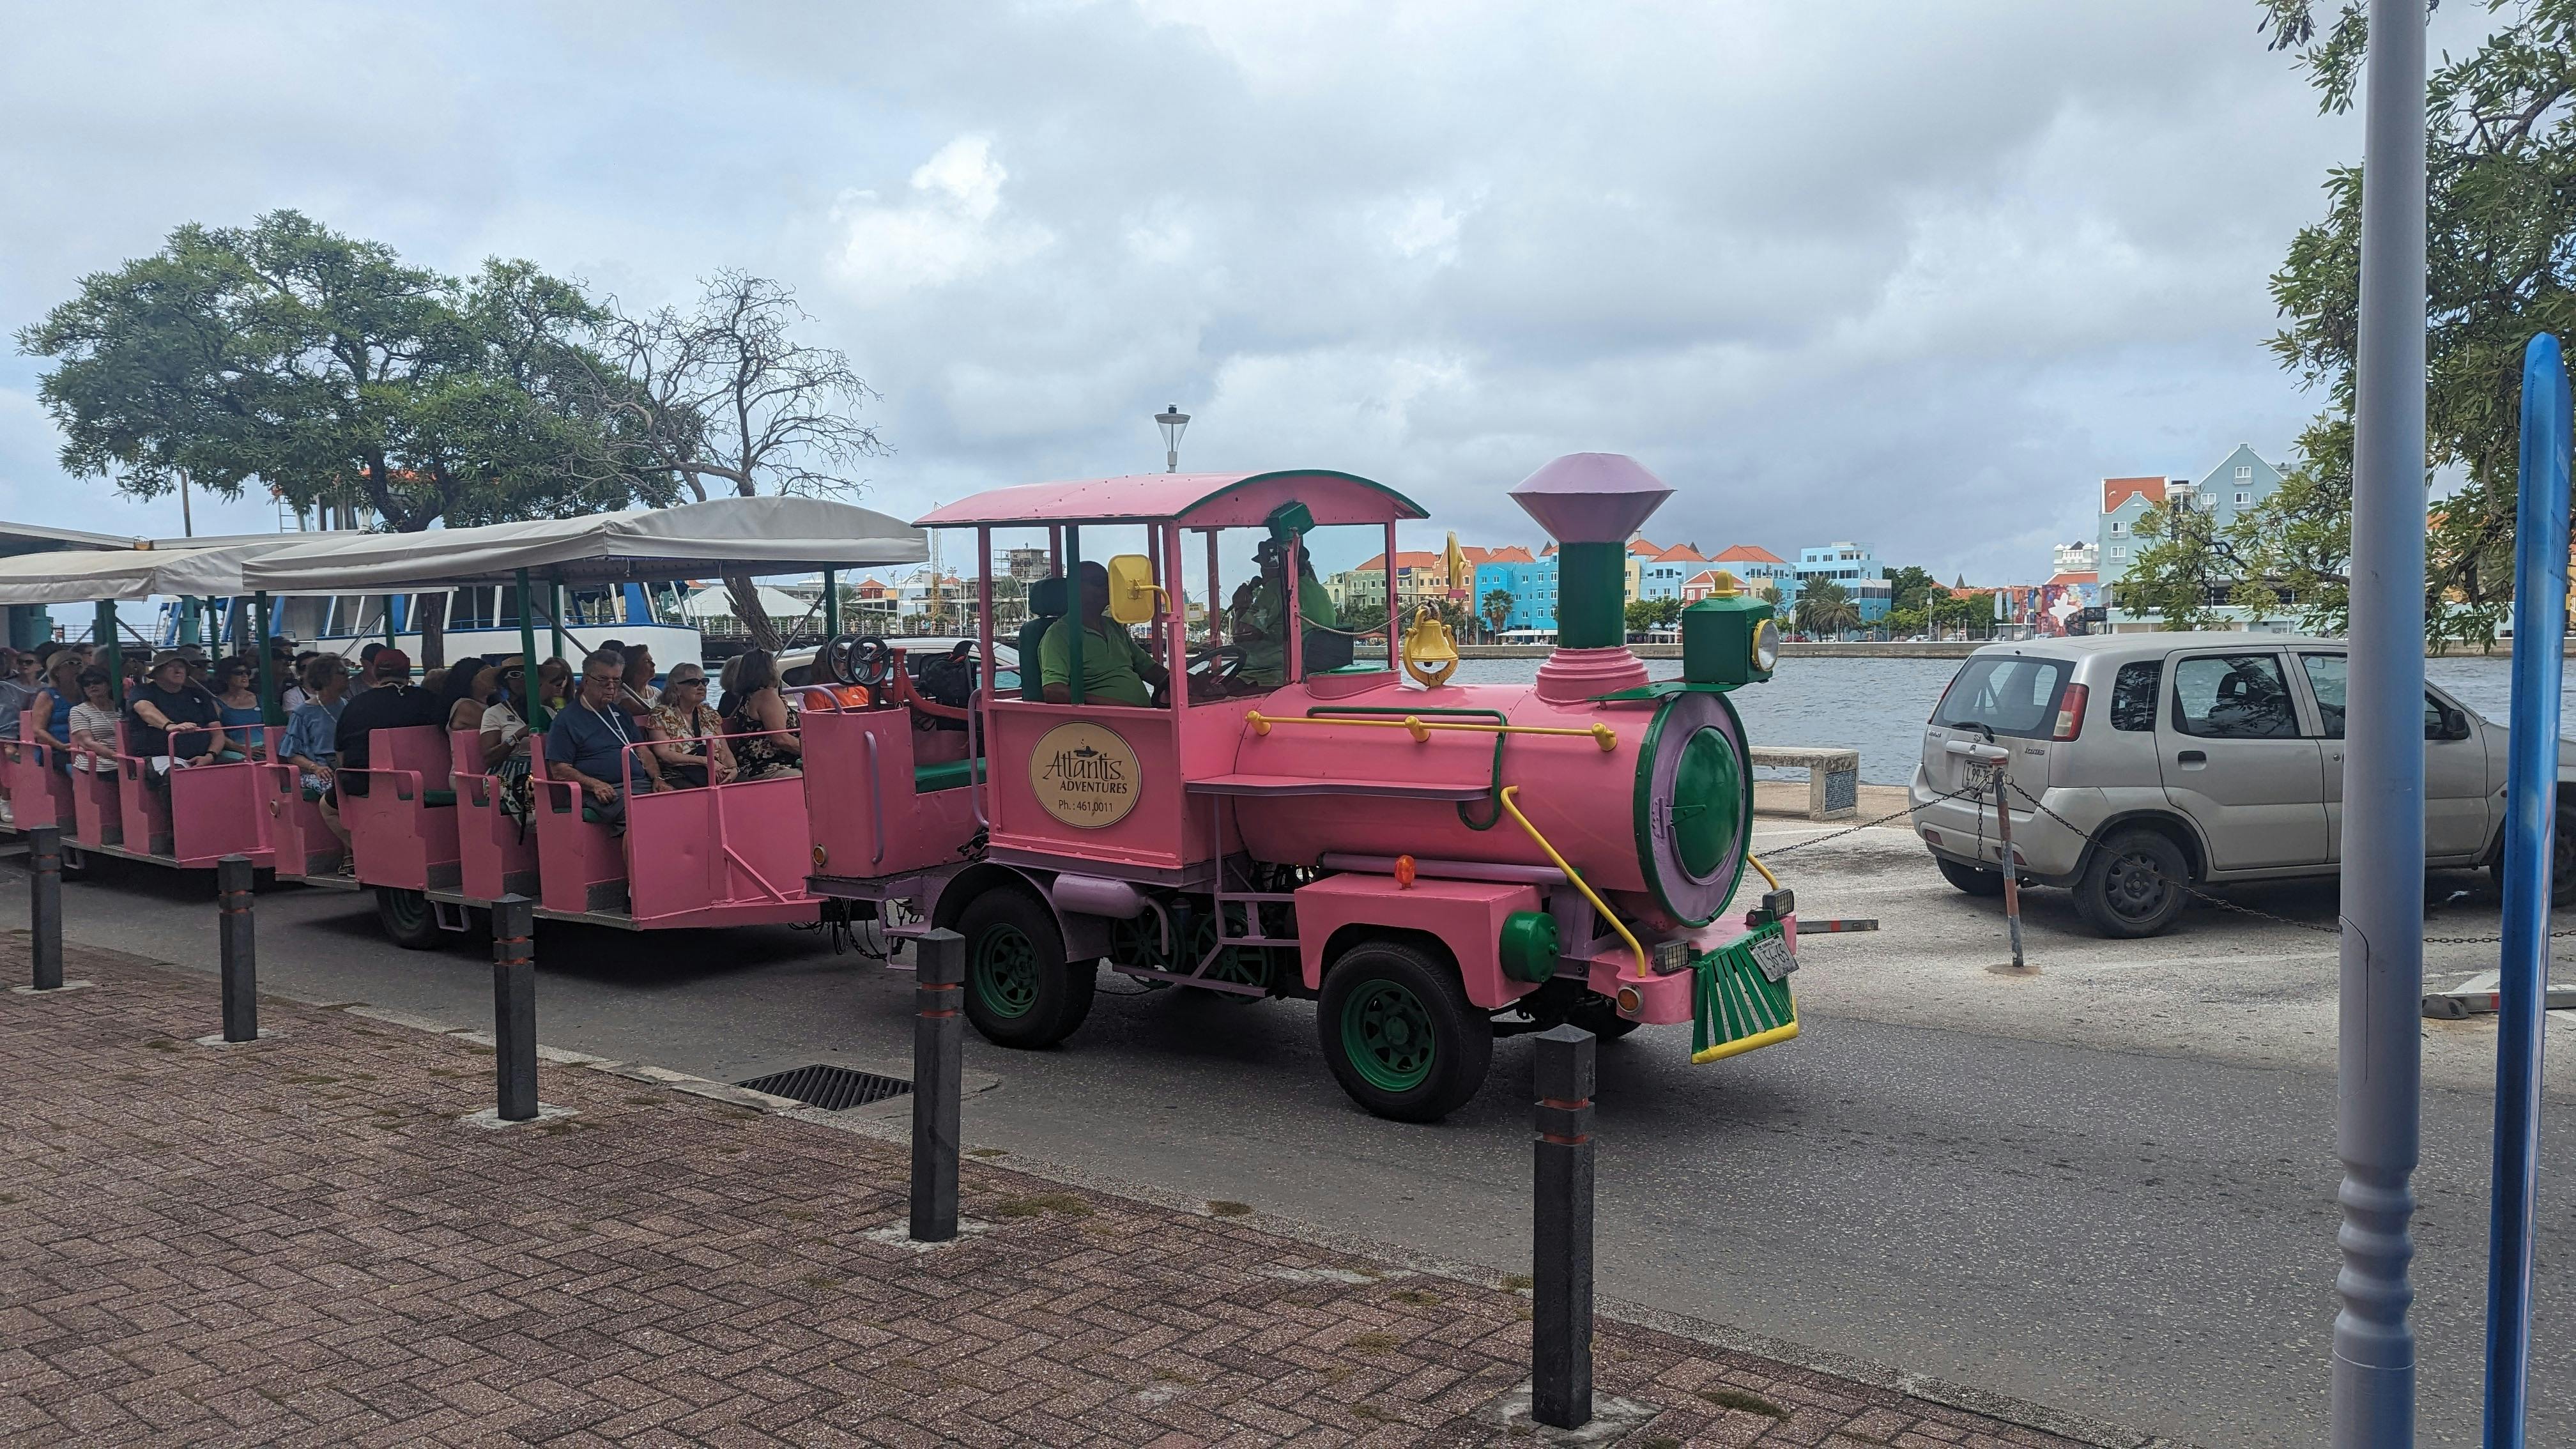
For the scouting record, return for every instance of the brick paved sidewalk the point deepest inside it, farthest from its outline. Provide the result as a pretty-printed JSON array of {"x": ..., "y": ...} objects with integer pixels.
[{"x": 297, "y": 1242}]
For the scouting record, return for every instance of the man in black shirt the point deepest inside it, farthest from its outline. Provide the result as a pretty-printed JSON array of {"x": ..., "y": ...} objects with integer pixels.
[
  {"x": 390, "y": 703},
  {"x": 161, "y": 715}
]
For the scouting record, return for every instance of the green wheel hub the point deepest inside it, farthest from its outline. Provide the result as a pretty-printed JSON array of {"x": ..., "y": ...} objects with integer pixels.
[
  {"x": 1386, "y": 1033},
  {"x": 1005, "y": 971}
]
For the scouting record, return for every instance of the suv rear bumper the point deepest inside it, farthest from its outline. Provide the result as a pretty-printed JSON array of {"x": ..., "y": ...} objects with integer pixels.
[{"x": 2049, "y": 852}]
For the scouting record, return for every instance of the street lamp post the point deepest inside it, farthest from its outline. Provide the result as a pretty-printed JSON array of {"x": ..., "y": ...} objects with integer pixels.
[{"x": 1174, "y": 422}]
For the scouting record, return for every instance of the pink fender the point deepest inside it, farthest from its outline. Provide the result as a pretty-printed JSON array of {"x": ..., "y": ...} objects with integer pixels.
[
  {"x": 494, "y": 857},
  {"x": 403, "y": 830},
  {"x": 1467, "y": 915}
]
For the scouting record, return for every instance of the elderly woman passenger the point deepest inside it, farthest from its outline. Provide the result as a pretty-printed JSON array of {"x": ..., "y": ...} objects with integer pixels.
[{"x": 688, "y": 737}]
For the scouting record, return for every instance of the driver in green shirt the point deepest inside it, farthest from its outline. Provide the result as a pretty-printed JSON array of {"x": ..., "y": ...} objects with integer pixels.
[
  {"x": 1258, "y": 624},
  {"x": 1115, "y": 668}
]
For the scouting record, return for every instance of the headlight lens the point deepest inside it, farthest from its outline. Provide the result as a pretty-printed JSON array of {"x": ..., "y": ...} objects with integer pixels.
[{"x": 1766, "y": 646}]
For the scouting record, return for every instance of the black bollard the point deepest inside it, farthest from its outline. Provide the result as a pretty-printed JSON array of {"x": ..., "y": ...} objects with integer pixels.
[
  {"x": 240, "y": 956},
  {"x": 1561, "y": 1232},
  {"x": 514, "y": 1006},
  {"x": 45, "y": 904},
  {"x": 939, "y": 965}
]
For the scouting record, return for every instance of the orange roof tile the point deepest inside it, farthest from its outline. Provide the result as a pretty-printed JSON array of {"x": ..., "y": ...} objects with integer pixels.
[
  {"x": 2072, "y": 578},
  {"x": 1748, "y": 553},
  {"x": 2116, "y": 491}
]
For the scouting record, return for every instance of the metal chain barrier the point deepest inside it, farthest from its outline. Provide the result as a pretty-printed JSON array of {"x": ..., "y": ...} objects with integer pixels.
[{"x": 2187, "y": 888}]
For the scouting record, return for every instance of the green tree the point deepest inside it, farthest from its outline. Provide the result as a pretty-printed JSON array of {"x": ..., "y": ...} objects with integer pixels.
[
  {"x": 1365, "y": 618},
  {"x": 1908, "y": 586},
  {"x": 2500, "y": 161},
  {"x": 332, "y": 372},
  {"x": 1825, "y": 607},
  {"x": 1498, "y": 610}
]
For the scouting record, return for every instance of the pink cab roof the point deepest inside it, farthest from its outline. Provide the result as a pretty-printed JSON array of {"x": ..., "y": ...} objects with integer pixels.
[{"x": 1197, "y": 500}]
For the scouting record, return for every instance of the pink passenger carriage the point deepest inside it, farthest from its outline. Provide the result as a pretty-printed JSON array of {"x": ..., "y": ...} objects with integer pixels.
[{"x": 1435, "y": 863}]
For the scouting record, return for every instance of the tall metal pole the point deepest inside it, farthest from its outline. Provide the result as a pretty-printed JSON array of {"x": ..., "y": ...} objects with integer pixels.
[
  {"x": 2381, "y": 1061},
  {"x": 2531, "y": 814}
]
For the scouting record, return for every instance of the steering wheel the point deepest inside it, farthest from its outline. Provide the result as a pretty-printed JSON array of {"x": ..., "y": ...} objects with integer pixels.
[
  {"x": 853, "y": 659},
  {"x": 1223, "y": 662}
]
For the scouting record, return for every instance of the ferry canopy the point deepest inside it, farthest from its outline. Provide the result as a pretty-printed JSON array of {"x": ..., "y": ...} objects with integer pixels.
[
  {"x": 720, "y": 536},
  {"x": 84, "y": 576},
  {"x": 1194, "y": 500}
]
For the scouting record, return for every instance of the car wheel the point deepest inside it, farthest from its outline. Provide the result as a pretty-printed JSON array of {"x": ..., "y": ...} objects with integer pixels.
[
  {"x": 407, "y": 918},
  {"x": 2133, "y": 886},
  {"x": 1019, "y": 989},
  {"x": 2562, "y": 860},
  {"x": 1972, "y": 879},
  {"x": 1399, "y": 1033}
]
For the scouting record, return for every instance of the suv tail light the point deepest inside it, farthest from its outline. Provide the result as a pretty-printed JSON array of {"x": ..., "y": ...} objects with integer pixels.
[
  {"x": 1944, "y": 697},
  {"x": 2070, "y": 713}
]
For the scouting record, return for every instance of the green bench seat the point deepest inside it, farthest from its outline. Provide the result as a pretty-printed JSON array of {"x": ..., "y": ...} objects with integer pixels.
[{"x": 946, "y": 775}]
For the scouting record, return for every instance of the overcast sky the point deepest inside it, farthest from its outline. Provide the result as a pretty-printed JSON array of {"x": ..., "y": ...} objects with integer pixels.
[{"x": 1916, "y": 274}]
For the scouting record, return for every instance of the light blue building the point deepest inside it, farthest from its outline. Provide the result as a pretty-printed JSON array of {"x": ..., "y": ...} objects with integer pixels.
[
  {"x": 1529, "y": 579},
  {"x": 2240, "y": 482},
  {"x": 1855, "y": 568}
]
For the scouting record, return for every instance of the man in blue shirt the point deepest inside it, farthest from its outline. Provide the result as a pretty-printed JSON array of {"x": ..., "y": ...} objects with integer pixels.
[{"x": 587, "y": 743}]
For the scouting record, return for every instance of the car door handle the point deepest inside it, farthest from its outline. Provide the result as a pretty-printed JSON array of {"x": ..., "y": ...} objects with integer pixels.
[{"x": 2192, "y": 757}]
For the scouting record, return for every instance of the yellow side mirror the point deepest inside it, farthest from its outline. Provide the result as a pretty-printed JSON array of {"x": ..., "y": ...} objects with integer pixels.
[
  {"x": 1430, "y": 656},
  {"x": 1132, "y": 592}
]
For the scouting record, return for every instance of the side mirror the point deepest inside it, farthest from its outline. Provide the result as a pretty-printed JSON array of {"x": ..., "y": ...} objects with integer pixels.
[
  {"x": 2452, "y": 724},
  {"x": 1132, "y": 592}
]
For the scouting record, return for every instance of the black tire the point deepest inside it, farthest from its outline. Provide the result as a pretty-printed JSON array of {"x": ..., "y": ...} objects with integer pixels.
[
  {"x": 1975, "y": 880},
  {"x": 408, "y": 919},
  {"x": 2132, "y": 886},
  {"x": 2562, "y": 860},
  {"x": 1599, "y": 1015},
  {"x": 1019, "y": 989},
  {"x": 1399, "y": 1033}
]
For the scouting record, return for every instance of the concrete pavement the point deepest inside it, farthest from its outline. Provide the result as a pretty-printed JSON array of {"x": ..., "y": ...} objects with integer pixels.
[{"x": 2106, "y": 1186}]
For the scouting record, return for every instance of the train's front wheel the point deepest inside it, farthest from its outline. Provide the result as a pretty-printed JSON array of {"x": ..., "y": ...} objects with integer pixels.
[
  {"x": 1398, "y": 1030},
  {"x": 1020, "y": 991}
]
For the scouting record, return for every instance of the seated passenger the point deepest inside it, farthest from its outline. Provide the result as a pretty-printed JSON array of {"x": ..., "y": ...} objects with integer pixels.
[
  {"x": 93, "y": 725},
  {"x": 237, "y": 706},
  {"x": 505, "y": 739},
  {"x": 1115, "y": 668},
  {"x": 171, "y": 722},
  {"x": 391, "y": 702},
  {"x": 761, "y": 723},
  {"x": 688, "y": 737},
  {"x": 636, "y": 694},
  {"x": 53, "y": 708},
  {"x": 312, "y": 742},
  {"x": 19, "y": 692},
  {"x": 587, "y": 744},
  {"x": 470, "y": 681}
]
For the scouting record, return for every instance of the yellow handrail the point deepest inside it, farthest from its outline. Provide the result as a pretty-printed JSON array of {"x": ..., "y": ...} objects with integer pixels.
[
  {"x": 1600, "y": 734},
  {"x": 1741, "y": 1045},
  {"x": 1514, "y": 810},
  {"x": 1752, "y": 860}
]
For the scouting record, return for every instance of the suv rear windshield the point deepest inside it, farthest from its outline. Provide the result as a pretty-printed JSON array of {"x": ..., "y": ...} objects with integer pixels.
[{"x": 2011, "y": 694}]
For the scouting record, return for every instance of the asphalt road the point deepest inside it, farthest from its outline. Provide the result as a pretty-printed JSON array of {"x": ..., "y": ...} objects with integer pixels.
[{"x": 2107, "y": 1186}]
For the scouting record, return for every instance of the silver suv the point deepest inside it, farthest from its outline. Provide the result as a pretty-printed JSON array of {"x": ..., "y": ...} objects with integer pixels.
[{"x": 2200, "y": 758}]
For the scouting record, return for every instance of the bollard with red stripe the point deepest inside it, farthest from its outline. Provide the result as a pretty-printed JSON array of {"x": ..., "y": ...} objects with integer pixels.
[
  {"x": 938, "y": 1049},
  {"x": 514, "y": 1006},
  {"x": 1561, "y": 1231},
  {"x": 235, "y": 943}
]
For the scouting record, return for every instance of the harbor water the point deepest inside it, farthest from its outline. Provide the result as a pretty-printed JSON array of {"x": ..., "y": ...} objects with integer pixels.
[{"x": 1879, "y": 706}]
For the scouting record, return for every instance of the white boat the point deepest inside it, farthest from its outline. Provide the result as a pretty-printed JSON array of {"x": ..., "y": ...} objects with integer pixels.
[{"x": 480, "y": 620}]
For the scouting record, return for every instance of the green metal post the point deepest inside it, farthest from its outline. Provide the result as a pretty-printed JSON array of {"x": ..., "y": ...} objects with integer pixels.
[
  {"x": 271, "y": 709},
  {"x": 528, "y": 653},
  {"x": 554, "y": 615},
  {"x": 187, "y": 620},
  {"x": 831, "y": 605},
  {"x": 1073, "y": 636},
  {"x": 102, "y": 632}
]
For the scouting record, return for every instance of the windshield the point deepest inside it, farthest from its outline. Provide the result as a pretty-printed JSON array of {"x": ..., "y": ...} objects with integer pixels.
[{"x": 2009, "y": 694}]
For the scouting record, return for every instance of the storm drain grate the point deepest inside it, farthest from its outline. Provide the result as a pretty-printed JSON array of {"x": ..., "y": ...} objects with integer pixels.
[{"x": 830, "y": 1088}]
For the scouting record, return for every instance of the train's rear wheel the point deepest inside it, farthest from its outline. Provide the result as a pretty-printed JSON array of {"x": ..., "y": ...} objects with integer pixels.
[
  {"x": 1020, "y": 991},
  {"x": 407, "y": 918},
  {"x": 1399, "y": 1033}
]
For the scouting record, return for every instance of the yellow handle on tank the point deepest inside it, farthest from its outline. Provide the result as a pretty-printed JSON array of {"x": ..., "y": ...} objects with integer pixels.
[
  {"x": 1512, "y": 808},
  {"x": 1430, "y": 655}
]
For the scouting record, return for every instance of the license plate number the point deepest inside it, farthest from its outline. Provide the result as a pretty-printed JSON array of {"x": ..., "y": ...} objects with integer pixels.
[
  {"x": 1773, "y": 955},
  {"x": 1982, "y": 774}
]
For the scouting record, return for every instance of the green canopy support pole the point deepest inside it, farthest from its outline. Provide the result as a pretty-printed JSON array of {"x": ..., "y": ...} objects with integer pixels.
[
  {"x": 102, "y": 632},
  {"x": 554, "y": 615},
  {"x": 390, "y": 641},
  {"x": 528, "y": 653},
  {"x": 187, "y": 609},
  {"x": 831, "y": 605},
  {"x": 1073, "y": 635},
  {"x": 271, "y": 709}
]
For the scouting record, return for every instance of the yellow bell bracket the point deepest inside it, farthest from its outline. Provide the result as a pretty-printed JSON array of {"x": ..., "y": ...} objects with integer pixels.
[{"x": 1430, "y": 656}]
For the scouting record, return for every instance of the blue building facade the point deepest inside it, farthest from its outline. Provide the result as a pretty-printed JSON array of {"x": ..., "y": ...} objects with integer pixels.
[
  {"x": 1532, "y": 585},
  {"x": 1855, "y": 568}
]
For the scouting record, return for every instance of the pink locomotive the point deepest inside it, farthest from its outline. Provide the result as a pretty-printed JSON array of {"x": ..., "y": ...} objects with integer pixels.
[{"x": 1434, "y": 863}]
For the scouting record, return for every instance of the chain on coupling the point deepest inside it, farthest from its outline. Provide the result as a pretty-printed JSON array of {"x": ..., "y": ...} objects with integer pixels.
[{"x": 2089, "y": 838}]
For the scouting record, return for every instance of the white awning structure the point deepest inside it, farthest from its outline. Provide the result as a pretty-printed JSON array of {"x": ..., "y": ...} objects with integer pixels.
[
  {"x": 717, "y": 603},
  {"x": 87, "y": 575},
  {"x": 721, "y": 536}
]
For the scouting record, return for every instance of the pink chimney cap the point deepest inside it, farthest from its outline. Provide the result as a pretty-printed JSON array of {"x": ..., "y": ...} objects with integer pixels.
[{"x": 1591, "y": 497}]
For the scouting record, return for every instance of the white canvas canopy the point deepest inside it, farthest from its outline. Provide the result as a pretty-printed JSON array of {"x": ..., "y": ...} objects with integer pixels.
[
  {"x": 87, "y": 575},
  {"x": 717, "y": 603},
  {"x": 721, "y": 536}
]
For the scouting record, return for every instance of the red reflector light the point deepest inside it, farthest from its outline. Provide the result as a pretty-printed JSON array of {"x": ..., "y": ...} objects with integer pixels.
[{"x": 2070, "y": 713}]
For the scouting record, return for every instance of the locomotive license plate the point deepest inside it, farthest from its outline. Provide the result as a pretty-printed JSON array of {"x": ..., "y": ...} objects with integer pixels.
[{"x": 1773, "y": 955}]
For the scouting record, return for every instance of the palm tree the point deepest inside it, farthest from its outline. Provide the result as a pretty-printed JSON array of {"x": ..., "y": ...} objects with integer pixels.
[
  {"x": 1498, "y": 610},
  {"x": 1825, "y": 608}
]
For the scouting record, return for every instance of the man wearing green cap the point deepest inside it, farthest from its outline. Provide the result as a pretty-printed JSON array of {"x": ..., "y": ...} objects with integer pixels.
[{"x": 1260, "y": 611}]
